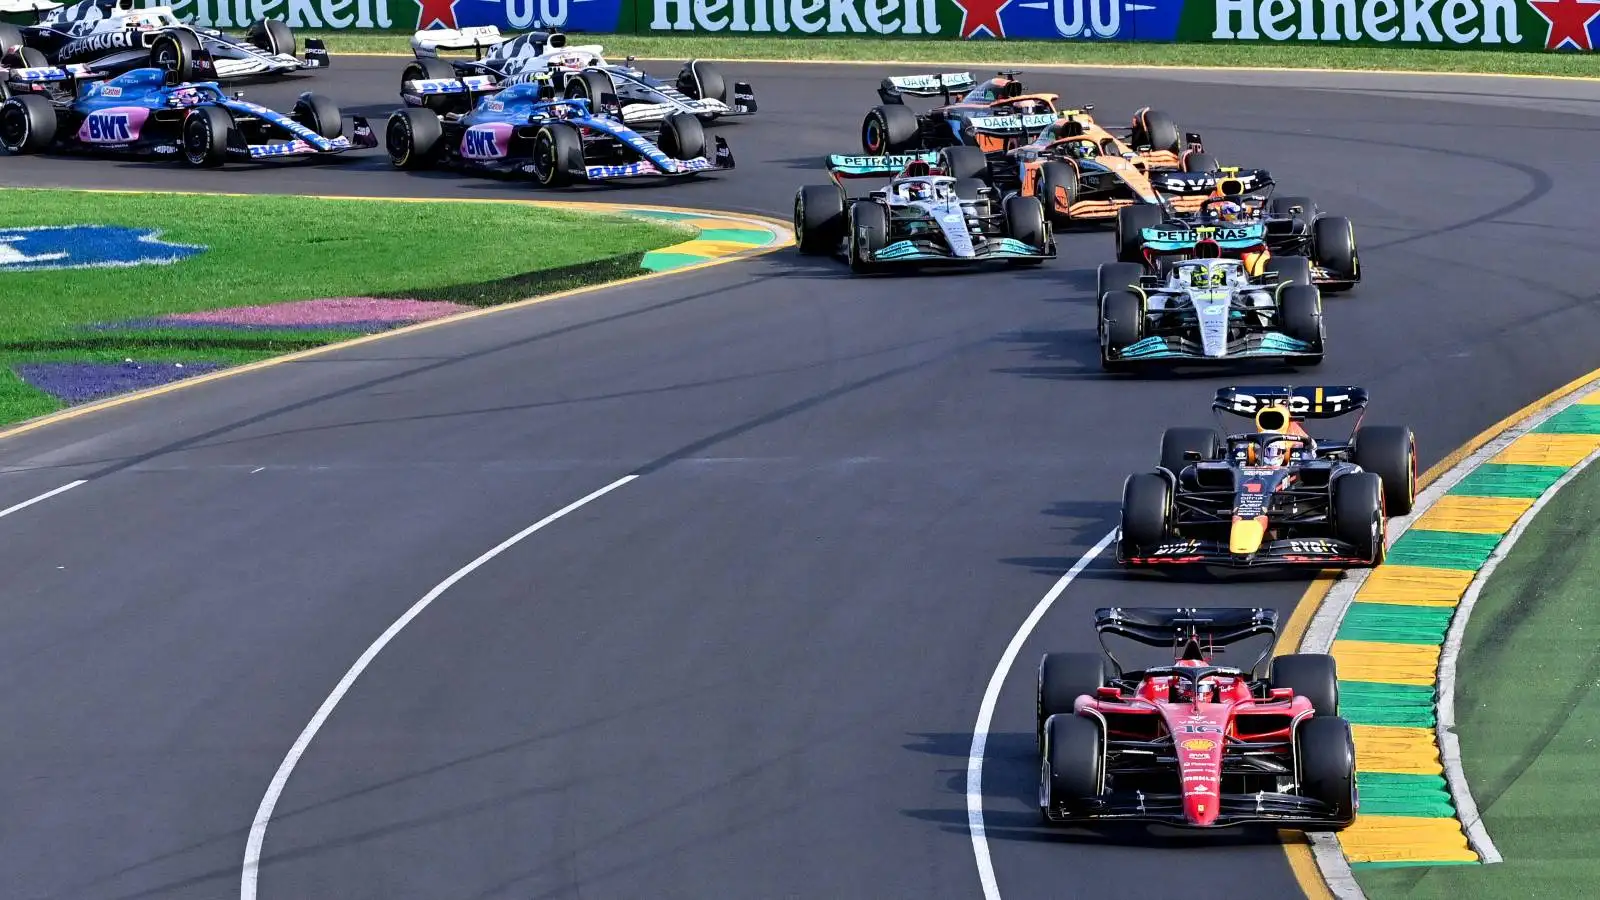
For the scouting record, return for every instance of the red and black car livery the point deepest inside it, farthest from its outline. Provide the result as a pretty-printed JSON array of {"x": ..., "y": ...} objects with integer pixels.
[{"x": 1192, "y": 743}]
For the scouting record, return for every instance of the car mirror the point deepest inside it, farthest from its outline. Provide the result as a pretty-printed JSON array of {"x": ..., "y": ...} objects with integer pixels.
[
  {"x": 1192, "y": 455},
  {"x": 1283, "y": 693},
  {"x": 1108, "y": 693}
]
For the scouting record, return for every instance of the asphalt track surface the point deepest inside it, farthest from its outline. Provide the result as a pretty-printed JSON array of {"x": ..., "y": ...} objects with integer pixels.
[{"x": 753, "y": 671}]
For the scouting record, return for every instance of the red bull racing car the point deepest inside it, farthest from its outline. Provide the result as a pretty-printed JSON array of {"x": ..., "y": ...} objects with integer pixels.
[
  {"x": 1189, "y": 742},
  {"x": 1274, "y": 495}
]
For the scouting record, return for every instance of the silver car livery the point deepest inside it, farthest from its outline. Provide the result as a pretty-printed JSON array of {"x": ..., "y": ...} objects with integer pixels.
[
  {"x": 581, "y": 73},
  {"x": 1206, "y": 310},
  {"x": 922, "y": 217}
]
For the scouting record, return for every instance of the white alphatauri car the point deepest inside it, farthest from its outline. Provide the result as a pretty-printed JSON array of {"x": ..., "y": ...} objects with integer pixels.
[
  {"x": 1208, "y": 310},
  {"x": 578, "y": 72},
  {"x": 116, "y": 36}
]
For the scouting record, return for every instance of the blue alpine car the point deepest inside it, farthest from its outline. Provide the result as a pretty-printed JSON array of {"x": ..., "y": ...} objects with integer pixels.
[
  {"x": 521, "y": 130},
  {"x": 147, "y": 112}
]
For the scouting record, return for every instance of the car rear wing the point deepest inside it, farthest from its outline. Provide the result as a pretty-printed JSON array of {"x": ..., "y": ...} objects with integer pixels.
[
  {"x": 1231, "y": 182},
  {"x": 432, "y": 87},
  {"x": 1314, "y": 402},
  {"x": 844, "y": 166},
  {"x": 429, "y": 42},
  {"x": 896, "y": 88},
  {"x": 1192, "y": 633},
  {"x": 1012, "y": 123}
]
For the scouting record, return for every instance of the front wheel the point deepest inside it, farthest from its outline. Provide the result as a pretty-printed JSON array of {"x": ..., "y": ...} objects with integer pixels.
[
  {"x": 320, "y": 114},
  {"x": 274, "y": 36},
  {"x": 1300, "y": 317},
  {"x": 1057, "y": 187},
  {"x": 412, "y": 138},
  {"x": 682, "y": 137},
  {"x": 206, "y": 133},
  {"x": 27, "y": 124},
  {"x": 1146, "y": 512},
  {"x": 1074, "y": 762},
  {"x": 1358, "y": 518},
  {"x": 1326, "y": 749},
  {"x": 557, "y": 155},
  {"x": 1025, "y": 223},
  {"x": 869, "y": 233},
  {"x": 818, "y": 219}
]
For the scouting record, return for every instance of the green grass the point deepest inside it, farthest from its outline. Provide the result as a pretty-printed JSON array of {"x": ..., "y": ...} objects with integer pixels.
[
  {"x": 273, "y": 249},
  {"x": 1528, "y": 710},
  {"x": 990, "y": 54}
]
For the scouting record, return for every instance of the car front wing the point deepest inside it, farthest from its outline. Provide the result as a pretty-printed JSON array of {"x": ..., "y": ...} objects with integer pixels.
[
  {"x": 1307, "y": 551},
  {"x": 926, "y": 252},
  {"x": 1273, "y": 809},
  {"x": 1271, "y": 344}
]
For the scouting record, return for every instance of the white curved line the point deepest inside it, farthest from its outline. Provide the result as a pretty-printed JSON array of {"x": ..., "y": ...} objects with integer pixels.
[
  {"x": 258, "y": 828},
  {"x": 991, "y": 696}
]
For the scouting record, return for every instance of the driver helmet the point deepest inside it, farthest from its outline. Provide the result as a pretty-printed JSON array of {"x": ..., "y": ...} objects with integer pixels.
[
  {"x": 1204, "y": 276},
  {"x": 1228, "y": 211},
  {"x": 918, "y": 190}
]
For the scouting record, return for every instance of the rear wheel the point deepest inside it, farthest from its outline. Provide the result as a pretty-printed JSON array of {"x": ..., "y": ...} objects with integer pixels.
[
  {"x": 818, "y": 219},
  {"x": 589, "y": 85},
  {"x": 273, "y": 36},
  {"x": 1358, "y": 514},
  {"x": 1333, "y": 241},
  {"x": 206, "y": 132},
  {"x": 1285, "y": 206},
  {"x": 1063, "y": 678},
  {"x": 682, "y": 137},
  {"x": 1314, "y": 676},
  {"x": 869, "y": 233},
  {"x": 1290, "y": 269},
  {"x": 889, "y": 129},
  {"x": 27, "y": 124},
  {"x": 965, "y": 162},
  {"x": 1195, "y": 161},
  {"x": 412, "y": 138},
  {"x": 1390, "y": 452},
  {"x": 1175, "y": 442},
  {"x": 557, "y": 155},
  {"x": 1075, "y": 759},
  {"x": 1326, "y": 748},
  {"x": 1131, "y": 220},
  {"x": 1058, "y": 188},
  {"x": 1116, "y": 276},
  {"x": 319, "y": 114},
  {"x": 1146, "y": 510},
  {"x": 431, "y": 70},
  {"x": 31, "y": 58},
  {"x": 1158, "y": 129},
  {"x": 175, "y": 51}
]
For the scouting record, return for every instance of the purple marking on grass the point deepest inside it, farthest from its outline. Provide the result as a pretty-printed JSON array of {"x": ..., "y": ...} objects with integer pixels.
[
  {"x": 79, "y": 382},
  {"x": 333, "y": 312}
]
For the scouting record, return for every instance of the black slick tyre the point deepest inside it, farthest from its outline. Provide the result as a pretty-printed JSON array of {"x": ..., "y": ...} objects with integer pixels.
[
  {"x": 1290, "y": 269},
  {"x": 272, "y": 35},
  {"x": 1146, "y": 510},
  {"x": 206, "y": 132},
  {"x": 27, "y": 124},
  {"x": 889, "y": 129},
  {"x": 1299, "y": 207},
  {"x": 1175, "y": 442},
  {"x": 1131, "y": 220},
  {"x": 1158, "y": 130},
  {"x": 589, "y": 85},
  {"x": 1063, "y": 678},
  {"x": 683, "y": 137},
  {"x": 1300, "y": 317},
  {"x": 1390, "y": 452},
  {"x": 432, "y": 70},
  {"x": 1358, "y": 518},
  {"x": 1121, "y": 324},
  {"x": 1195, "y": 161},
  {"x": 1333, "y": 240},
  {"x": 1314, "y": 676},
  {"x": 818, "y": 219},
  {"x": 175, "y": 51},
  {"x": 1325, "y": 746},
  {"x": 969, "y": 188},
  {"x": 557, "y": 155},
  {"x": 320, "y": 114},
  {"x": 10, "y": 39},
  {"x": 29, "y": 58},
  {"x": 1025, "y": 223},
  {"x": 869, "y": 233},
  {"x": 965, "y": 162},
  {"x": 1117, "y": 276},
  {"x": 702, "y": 80},
  {"x": 1075, "y": 759},
  {"x": 1058, "y": 188},
  {"x": 412, "y": 138}
]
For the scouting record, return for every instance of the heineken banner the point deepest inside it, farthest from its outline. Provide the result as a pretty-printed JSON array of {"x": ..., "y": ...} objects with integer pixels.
[{"x": 1560, "y": 25}]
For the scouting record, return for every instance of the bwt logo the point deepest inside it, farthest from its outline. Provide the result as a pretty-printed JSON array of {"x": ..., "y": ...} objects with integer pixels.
[
  {"x": 1087, "y": 18},
  {"x": 480, "y": 143},
  {"x": 109, "y": 128}
]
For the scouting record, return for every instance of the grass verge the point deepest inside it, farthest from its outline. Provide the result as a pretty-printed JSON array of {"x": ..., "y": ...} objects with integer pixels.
[
  {"x": 267, "y": 250},
  {"x": 1528, "y": 710},
  {"x": 992, "y": 54}
]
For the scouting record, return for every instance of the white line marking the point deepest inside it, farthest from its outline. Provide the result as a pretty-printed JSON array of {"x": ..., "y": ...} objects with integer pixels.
[
  {"x": 41, "y": 498},
  {"x": 991, "y": 696},
  {"x": 258, "y": 828}
]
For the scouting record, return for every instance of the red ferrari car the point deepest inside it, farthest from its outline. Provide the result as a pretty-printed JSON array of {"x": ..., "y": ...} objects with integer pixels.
[{"x": 1193, "y": 743}]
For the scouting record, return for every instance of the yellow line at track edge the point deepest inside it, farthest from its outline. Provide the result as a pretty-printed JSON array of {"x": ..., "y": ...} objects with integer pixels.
[
  {"x": 783, "y": 238},
  {"x": 1318, "y": 864}
]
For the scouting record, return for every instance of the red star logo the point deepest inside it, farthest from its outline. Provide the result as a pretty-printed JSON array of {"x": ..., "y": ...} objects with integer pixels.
[
  {"x": 982, "y": 15},
  {"x": 440, "y": 11},
  {"x": 1569, "y": 21}
]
